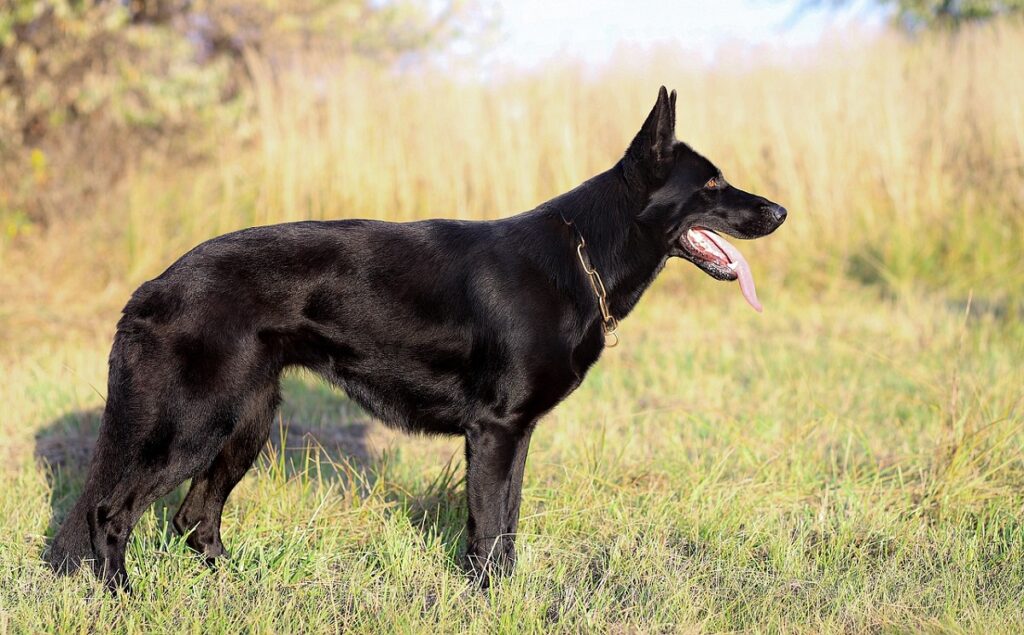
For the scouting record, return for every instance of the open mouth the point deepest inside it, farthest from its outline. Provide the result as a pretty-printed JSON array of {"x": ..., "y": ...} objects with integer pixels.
[{"x": 718, "y": 258}]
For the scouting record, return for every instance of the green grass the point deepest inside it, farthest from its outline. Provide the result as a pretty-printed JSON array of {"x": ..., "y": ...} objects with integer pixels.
[{"x": 840, "y": 463}]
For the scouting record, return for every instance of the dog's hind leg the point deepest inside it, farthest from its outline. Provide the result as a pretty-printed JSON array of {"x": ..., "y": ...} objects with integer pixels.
[
  {"x": 169, "y": 452},
  {"x": 494, "y": 478},
  {"x": 200, "y": 514}
]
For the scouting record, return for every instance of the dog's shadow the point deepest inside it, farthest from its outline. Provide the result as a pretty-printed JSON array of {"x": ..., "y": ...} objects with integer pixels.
[{"x": 315, "y": 424}]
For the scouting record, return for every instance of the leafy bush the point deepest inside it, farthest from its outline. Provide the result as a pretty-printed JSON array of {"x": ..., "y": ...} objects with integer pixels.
[
  {"x": 92, "y": 84},
  {"x": 80, "y": 84}
]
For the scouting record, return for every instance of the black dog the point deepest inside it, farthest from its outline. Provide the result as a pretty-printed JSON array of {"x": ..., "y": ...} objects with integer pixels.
[{"x": 445, "y": 327}]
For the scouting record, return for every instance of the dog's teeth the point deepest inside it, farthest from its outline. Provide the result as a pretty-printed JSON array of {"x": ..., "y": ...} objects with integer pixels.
[{"x": 732, "y": 265}]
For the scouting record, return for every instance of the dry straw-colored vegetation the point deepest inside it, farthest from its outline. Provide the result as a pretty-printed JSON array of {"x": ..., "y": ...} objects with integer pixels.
[
  {"x": 902, "y": 162},
  {"x": 849, "y": 461}
]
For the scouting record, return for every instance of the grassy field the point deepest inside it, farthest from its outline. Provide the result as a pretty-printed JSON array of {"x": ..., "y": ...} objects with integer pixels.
[{"x": 848, "y": 461}]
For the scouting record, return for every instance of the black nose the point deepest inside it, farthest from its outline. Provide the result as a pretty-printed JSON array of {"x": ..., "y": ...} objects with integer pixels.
[{"x": 777, "y": 212}]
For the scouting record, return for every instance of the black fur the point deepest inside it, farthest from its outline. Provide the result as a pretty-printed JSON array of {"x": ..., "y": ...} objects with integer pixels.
[{"x": 466, "y": 328}]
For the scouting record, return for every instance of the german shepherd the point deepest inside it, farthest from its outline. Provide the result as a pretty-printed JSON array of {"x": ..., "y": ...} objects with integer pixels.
[{"x": 444, "y": 327}]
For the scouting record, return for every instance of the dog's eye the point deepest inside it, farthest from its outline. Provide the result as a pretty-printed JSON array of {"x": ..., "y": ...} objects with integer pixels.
[{"x": 713, "y": 183}]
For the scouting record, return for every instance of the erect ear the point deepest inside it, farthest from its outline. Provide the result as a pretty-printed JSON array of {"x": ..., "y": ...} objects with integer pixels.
[
  {"x": 672, "y": 109},
  {"x": 651, "y": 149}
]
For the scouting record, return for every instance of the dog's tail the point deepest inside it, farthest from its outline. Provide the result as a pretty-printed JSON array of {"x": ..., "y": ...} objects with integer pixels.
[{"x": 72, "y": 546}]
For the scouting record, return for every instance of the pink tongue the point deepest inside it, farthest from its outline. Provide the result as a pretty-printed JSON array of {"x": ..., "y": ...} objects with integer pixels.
[{"x": 741, "y": 267}]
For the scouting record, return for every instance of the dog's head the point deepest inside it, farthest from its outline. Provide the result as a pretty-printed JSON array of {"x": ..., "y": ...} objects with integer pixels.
[{"x": 692, "y": 201}]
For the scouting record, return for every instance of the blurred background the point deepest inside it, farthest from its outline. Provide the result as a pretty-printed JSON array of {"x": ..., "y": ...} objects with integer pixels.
[
  {"x": 131, "y": 130},
  {"x": 848, "y": 461}
]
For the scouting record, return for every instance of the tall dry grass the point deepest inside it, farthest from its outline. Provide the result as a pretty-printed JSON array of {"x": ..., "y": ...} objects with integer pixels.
[
  {"x": 902, "y": 162},
  {"x": 896, "y": 158},
  {"x": 838, "y": 463}
]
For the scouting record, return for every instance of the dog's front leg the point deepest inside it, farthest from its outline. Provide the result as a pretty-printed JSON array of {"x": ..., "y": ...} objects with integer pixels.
[{"x": 495, "y": 459}]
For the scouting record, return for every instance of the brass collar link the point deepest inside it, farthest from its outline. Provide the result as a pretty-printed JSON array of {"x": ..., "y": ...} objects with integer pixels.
[{"x": 608, "y": 321}]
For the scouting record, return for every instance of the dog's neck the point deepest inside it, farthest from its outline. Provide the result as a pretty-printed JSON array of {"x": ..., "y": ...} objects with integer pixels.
[{"x": 627, "y": 252}]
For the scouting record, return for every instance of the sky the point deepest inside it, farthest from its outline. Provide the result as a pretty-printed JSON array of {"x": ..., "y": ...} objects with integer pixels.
[{"x": 536, "y": 31}]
